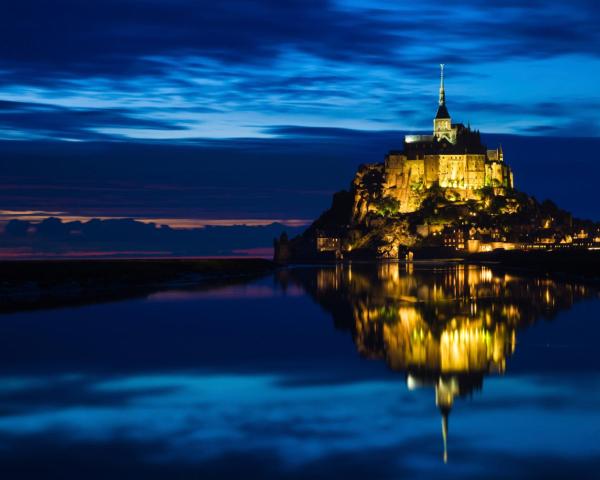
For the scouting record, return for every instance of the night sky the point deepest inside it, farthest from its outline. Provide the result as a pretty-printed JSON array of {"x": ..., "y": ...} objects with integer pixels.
[{"x": 192, "y": 112}]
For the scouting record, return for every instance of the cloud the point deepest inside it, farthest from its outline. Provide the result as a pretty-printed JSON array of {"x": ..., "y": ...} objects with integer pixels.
[
  {"x": 117, "y": 37},
  {"x": 55, "y": 122},
  {"x": 183, "y": 70}
]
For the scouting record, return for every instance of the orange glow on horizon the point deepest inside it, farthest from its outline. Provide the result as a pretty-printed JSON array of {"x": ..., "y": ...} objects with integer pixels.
[{"x": 36, "y": 216}]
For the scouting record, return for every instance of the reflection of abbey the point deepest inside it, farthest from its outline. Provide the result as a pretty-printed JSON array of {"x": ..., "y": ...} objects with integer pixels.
[
  {"x": 445, "y": 328},
  {"x": 453, "y": 157}
]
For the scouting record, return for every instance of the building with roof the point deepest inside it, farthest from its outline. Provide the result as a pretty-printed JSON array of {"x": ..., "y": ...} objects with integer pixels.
[{"x": 453, "y": 157}]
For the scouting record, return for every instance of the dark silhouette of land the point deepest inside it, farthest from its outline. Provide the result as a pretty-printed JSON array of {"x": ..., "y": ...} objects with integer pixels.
[
  {"x": 33, "y": 284},
  {"x": 128, "y": 237}
]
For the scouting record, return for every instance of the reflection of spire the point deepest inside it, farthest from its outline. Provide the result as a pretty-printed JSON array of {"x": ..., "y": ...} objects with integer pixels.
[
  {"x": 446, "y": 329},
  {"x": 445, "y": 413},
  {"x": 445, "y": 390},
  {"x": 442, "y": 93}
]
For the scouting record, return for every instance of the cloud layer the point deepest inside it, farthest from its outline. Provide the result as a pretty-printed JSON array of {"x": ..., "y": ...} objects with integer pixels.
[{"x": 183, "y": 69}]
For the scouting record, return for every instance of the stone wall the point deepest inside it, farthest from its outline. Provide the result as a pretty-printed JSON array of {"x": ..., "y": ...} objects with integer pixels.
[
  {"x": 432, "y": 170},
  {"x": 465, "y": 171},
  {"x": 406, "y": 179},
  {"x": 498, "y": 174}
]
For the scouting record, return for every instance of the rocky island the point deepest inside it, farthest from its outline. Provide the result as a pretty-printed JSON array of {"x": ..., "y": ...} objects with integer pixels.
[{"x": 442, "y": 194}]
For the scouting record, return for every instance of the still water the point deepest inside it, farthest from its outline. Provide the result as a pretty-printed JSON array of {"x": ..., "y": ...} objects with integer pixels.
[{"x": 363, "y": 371}]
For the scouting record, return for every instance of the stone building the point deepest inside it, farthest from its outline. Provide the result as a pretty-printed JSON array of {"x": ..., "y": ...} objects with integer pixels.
[{"x": 453, "y": 157}]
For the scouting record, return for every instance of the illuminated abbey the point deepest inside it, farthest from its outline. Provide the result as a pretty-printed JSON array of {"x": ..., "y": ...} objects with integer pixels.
[
  {"x": 452, "y": 157},
  {"x": 444, "y": 192}
]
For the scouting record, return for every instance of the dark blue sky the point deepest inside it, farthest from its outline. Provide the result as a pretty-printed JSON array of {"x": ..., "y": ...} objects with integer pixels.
[
  {"x": 220, "y": 110},
  {"x": 185, "y": 69}
]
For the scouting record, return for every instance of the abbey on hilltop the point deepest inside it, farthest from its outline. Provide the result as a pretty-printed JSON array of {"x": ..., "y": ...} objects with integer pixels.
[
  {"x": 453, "y": 157},
  {"x": 445, "y": 193}
]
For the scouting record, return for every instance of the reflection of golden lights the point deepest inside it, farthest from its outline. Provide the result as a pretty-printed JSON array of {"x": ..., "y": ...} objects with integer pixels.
[
  {"x": 461, "y": 319},
  {"x": 449, "y": 326},
  {"x": 475, "y": 319}
]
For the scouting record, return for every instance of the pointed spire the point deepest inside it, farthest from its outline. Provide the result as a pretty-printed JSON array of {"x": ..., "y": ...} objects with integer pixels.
[
  {"x": 442, "y": 111},
  {"x": 442, "y": 93}
]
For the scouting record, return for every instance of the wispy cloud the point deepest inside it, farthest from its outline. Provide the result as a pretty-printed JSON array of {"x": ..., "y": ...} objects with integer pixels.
[{"x": 185, "y": 70}]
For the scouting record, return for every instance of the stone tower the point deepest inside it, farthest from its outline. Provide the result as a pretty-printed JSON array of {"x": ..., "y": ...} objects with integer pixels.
[{"x": 442, "y": 124}]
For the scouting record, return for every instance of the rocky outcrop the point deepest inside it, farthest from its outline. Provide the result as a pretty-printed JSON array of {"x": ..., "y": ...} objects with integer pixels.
[
  {"x": 369, "y": 221},
  {"x": 368, "y": 190}
]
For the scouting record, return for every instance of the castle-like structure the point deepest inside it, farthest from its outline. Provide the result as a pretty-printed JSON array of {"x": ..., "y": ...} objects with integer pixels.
[
  {"x": 453, "y": 157},
  {"x": 441, "y": 191}
]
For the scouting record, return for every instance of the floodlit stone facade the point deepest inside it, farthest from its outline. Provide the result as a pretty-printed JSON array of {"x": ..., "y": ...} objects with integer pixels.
[{"x": 453, "y": 157}]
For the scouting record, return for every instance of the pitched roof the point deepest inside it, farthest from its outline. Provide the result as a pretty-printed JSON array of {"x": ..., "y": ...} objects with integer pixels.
[{"x": 442, "y": 112}]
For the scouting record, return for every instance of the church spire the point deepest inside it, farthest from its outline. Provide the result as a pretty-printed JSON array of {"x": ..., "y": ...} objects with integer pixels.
[
  {"x": 442, "y": 111},
  {"x": 442, "y": 93}
]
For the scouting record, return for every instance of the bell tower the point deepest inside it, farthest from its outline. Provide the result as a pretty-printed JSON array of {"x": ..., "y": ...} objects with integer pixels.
[{"x": 442, "y": 124}]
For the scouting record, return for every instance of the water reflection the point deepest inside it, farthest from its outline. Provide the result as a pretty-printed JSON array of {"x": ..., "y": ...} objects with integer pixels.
[
  {"x": 252, "y": 380},
  {"x": 445, "y": 327}
]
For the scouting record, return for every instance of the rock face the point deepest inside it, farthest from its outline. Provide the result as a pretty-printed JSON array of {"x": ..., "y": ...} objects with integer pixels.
[{"x": 368, "y": 189}]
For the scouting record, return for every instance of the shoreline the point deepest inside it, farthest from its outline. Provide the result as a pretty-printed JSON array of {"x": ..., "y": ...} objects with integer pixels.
[
  {"x": 35, "y": 284},
  {"x": 577, "y": 263}
]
